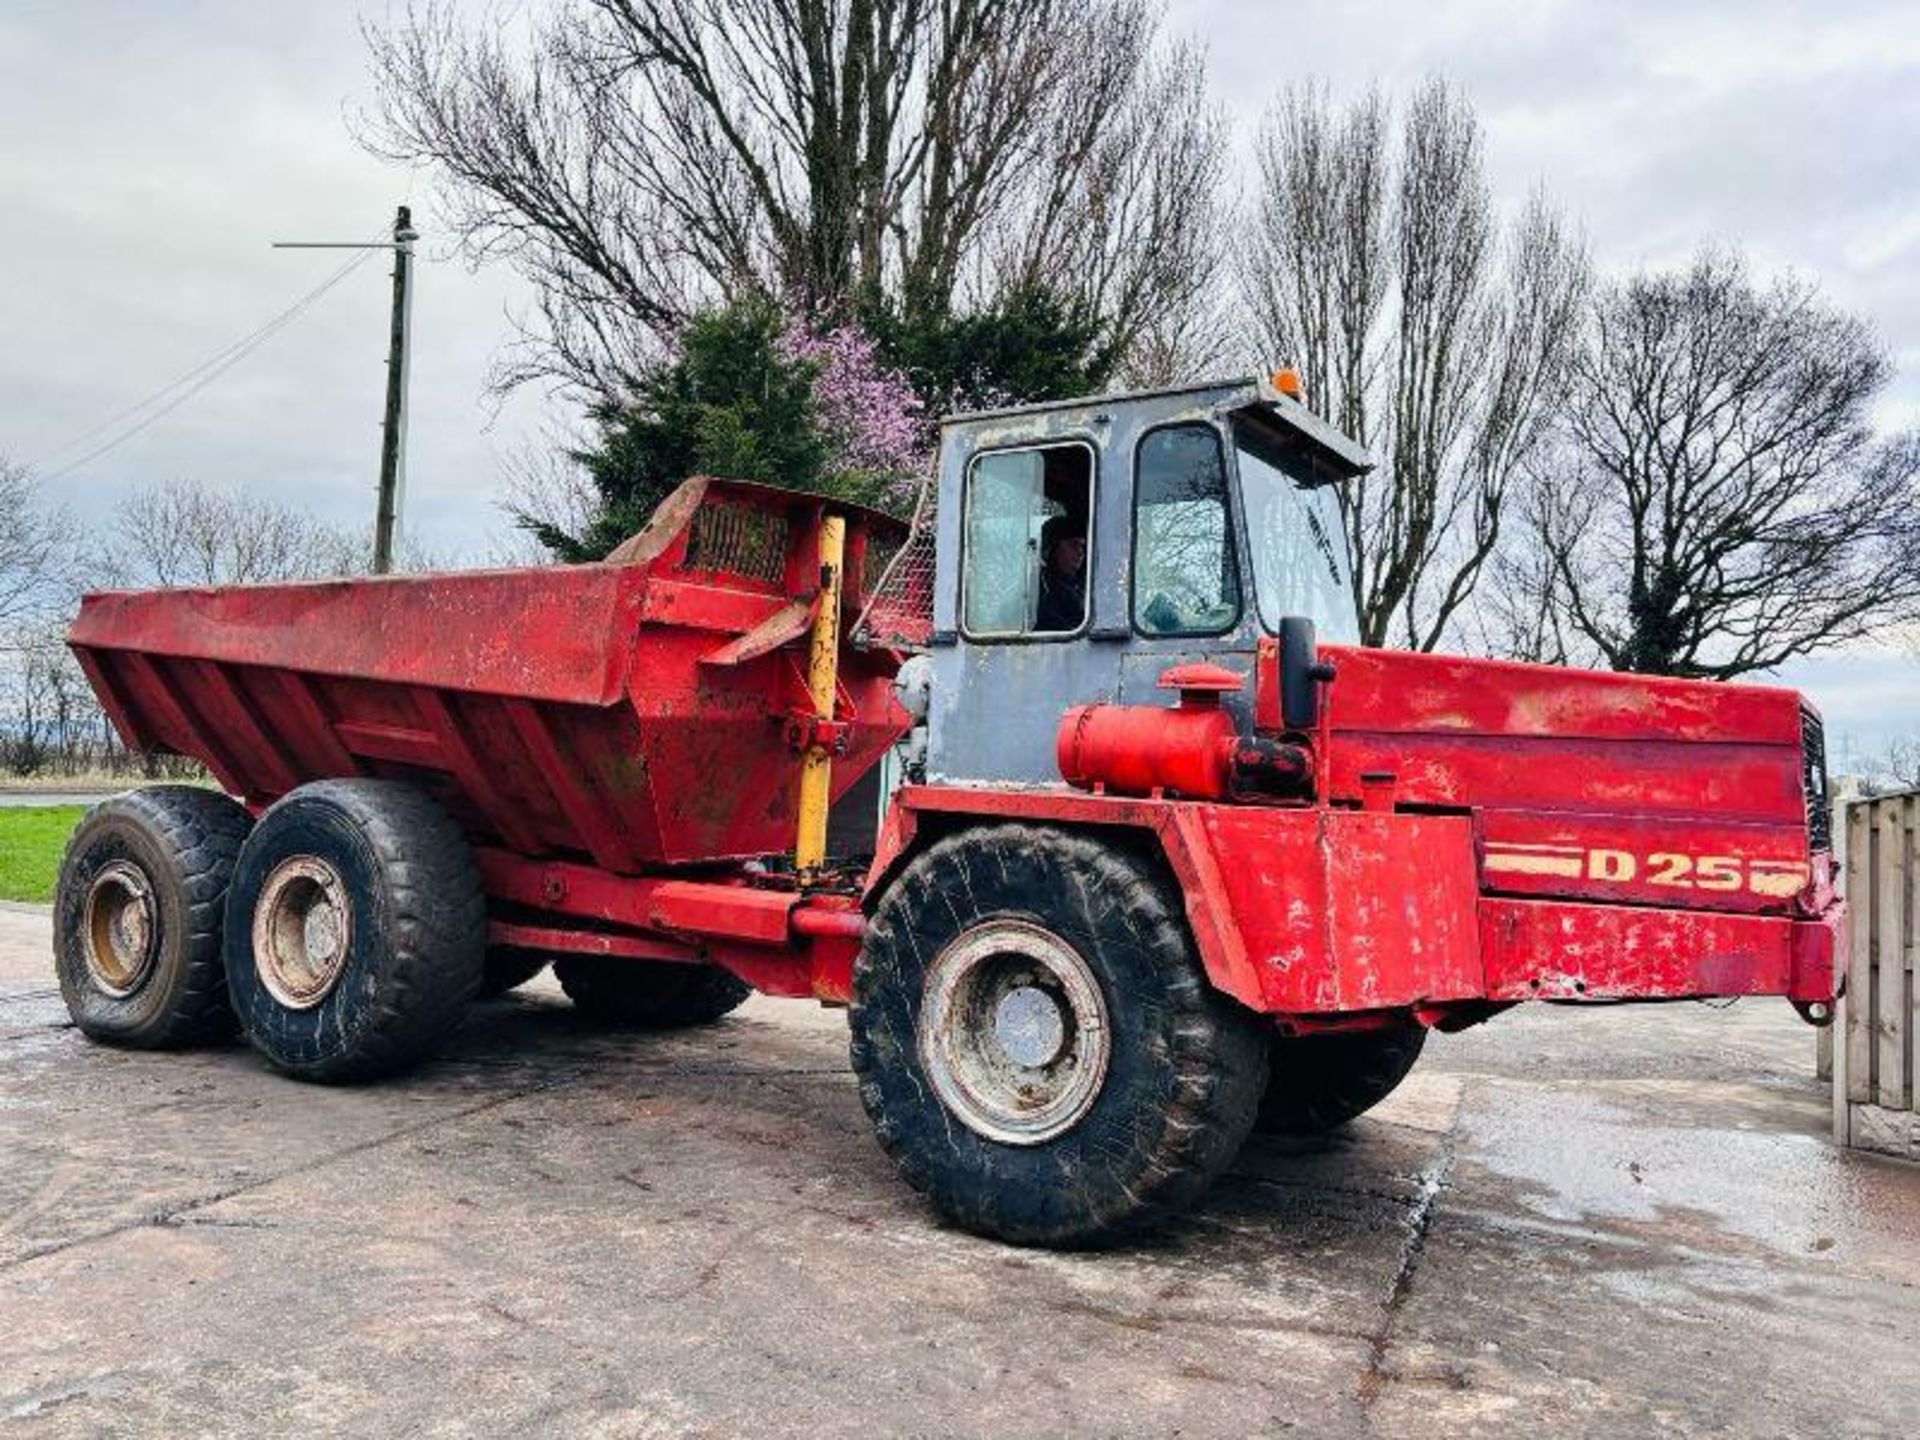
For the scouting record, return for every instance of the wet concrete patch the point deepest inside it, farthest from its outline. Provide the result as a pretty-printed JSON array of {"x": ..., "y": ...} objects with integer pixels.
[
  {"x": 1692, "y": 1165},
  {"x": 1607, "y": 1255},
  {"x": 1600, "y": 1332}
]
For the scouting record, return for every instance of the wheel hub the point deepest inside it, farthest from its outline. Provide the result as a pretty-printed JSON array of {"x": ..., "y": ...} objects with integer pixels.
[
  {"x": 1013, "y": 1032},
  {"x": 119, "y": 929},
  {"x": 1030, "y": 1027},
  {"x": 302, "y": 931}
]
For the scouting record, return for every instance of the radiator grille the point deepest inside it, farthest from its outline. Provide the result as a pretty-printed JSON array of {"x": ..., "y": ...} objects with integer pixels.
[{"x": 1813, "y": 777}]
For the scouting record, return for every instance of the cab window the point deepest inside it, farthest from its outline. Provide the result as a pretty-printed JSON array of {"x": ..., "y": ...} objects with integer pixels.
[
  {"x": 1186, "y": 580},
  {"x": 1025, "y": 551},
  {"x": 1297, "y": 538}
]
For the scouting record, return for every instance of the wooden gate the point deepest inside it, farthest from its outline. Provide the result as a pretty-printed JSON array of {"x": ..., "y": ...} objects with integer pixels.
[{"x": 1876, "y": 1045}]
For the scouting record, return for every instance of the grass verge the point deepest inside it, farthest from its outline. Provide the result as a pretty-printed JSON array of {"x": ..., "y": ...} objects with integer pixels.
[{"x": 32, "y": 839}]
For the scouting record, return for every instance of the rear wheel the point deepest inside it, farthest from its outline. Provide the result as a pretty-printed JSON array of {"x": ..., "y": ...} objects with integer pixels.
[
  {"x": 1321, "y": 1081},
  {"x": 1036, "y": 1043},
  {"x": 356, "y": 930},
  {"x": 649, "y": 994},
  {"x": 137, "y": 916}
]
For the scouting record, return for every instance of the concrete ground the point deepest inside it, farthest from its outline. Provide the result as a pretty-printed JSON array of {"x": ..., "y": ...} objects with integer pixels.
[{"x": 1599, "y": 1222}]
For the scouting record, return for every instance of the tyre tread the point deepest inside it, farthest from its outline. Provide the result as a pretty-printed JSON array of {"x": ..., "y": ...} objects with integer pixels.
[
  {"x": 649, "y": 994},
  {"x": 1320, "y": 1082}
]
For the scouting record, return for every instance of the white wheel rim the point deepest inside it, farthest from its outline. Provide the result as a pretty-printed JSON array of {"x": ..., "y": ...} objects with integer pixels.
[
  {"x": 302, "y": 931},
  {"x": 1013, "y": 1032},
  {"x": 119, "y": 929}
]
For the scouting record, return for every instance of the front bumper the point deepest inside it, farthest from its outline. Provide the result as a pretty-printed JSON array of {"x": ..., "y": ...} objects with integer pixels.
[{"x": 1558, "y": 950}]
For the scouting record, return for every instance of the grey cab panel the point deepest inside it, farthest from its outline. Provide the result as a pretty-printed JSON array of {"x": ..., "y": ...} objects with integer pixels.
[{"x": 1142, "y": 490}]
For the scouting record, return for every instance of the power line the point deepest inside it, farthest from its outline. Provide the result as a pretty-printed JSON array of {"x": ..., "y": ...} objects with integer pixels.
[{"x": 193, "y": 381}]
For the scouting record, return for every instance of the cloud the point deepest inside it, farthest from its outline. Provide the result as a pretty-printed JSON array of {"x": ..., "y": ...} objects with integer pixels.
[{"x": 1868, "y": 699}]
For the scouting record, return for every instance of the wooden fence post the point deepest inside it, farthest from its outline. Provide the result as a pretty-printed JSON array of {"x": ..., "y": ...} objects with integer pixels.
[{"x": 1874, "y": 1056}]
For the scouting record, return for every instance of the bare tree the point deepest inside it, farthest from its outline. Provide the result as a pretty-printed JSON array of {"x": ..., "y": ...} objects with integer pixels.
[
  {"x": 636, "y": 159},
  {"x": 545, "y": 485},
  {"x": 1723, "y": 504},
  {"x": 43, "y": 702},
  {"x": 34, "y": 546},
  {"x": 1891, "y": 769},
  {"x": 186, "y": 533},
  {"x": 52, "y": 721},
  {"x": 1129, "y": 202},
  {"x": 1419, "y": 327},
  {"x": 1514, "y": 615}
]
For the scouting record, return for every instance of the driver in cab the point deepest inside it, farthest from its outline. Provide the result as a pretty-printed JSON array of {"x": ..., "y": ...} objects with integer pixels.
[{"x": 1063, "y": 575}]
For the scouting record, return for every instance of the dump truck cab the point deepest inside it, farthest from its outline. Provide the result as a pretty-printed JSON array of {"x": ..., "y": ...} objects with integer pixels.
[
  {"x": 1191, "y": 671},
  {"x": 1361, "y": 846},
  {"x": 1209, "y": 515}
]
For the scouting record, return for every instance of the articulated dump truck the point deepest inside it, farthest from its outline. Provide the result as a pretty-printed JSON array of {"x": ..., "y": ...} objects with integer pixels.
[{"x": 1171, "y": 858}]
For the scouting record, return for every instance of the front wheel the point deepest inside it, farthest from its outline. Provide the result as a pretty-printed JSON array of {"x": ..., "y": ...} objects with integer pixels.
[{"x": 1037, "y": 1046}]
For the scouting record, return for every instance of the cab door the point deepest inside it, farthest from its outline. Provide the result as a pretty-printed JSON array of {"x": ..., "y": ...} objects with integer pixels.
[
  {"x": 1186, "y": 601},
  {"x": 1031, "y": 559}
]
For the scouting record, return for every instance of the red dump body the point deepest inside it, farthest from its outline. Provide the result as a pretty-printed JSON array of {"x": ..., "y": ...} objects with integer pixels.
[
  {"x": 606, "y": 712},
  {"x": 635, "y": 718}
]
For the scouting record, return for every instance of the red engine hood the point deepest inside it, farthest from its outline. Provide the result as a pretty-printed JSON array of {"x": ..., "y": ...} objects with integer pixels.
[{"x": 1623, "y": 788}]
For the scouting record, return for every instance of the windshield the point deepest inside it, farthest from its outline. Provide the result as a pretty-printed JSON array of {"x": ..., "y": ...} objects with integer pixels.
[{"x": 1298, "y": 541}]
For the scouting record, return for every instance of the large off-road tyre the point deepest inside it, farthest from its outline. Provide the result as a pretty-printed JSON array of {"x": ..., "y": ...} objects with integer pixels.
[
  {"x": 137, "y": 917},
  {"x": 508, "y": 968},
  {"x": 1317, "y": 1082},
  {"x": 1036, "y": 1042},
  {"x": 356, "y": 930},
  {"x": 649, "y": 994}
]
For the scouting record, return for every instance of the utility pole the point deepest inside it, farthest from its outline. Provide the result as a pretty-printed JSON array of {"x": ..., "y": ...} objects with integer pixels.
[
  {"x": 393, "y": 432},
  {"x": 393, "y": 429}
]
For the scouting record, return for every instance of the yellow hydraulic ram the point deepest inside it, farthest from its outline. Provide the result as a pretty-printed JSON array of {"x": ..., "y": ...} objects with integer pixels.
[{"x": 823, "y": 674}]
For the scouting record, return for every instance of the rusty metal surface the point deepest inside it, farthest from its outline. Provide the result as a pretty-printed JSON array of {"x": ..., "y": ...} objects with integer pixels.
[
  {"x": 1546, "y": 950},
  {"x": 571, "y": 710},
  {"x": 775, "y": 938}
]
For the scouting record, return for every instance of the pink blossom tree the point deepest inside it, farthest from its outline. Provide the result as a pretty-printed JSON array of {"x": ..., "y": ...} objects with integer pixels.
[{"x": 868, "y": 411}]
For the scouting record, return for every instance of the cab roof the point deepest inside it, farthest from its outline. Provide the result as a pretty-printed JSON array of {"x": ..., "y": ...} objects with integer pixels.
[{"x": 1255, "y": 399}]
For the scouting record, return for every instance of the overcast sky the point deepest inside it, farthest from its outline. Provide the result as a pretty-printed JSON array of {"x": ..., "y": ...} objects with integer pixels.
[{"x": 153, "y": 150}]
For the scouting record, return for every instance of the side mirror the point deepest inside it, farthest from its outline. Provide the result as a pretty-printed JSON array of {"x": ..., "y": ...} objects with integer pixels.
[{"x": 1301, "y": 673}]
